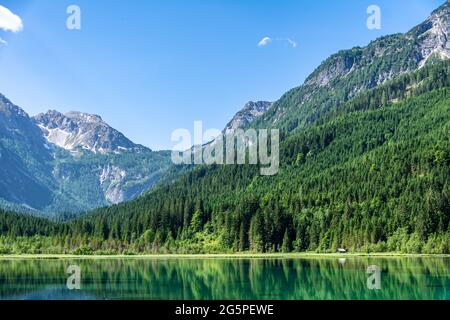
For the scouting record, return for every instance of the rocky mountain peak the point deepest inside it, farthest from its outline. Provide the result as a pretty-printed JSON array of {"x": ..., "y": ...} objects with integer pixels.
[
  {"x": 251, "y": 111},
  {"x": 334, "y": 67},
  {"x": 84, "y": 117},
  {"x": 425, "y": 43},
  {"x": 7, "y": 108},
  {"x": 442, "y": 10},
  {"x": 75, "y": 130},
  {"x": 432, "y": 36},
  {"x": 16, "y": 123}
]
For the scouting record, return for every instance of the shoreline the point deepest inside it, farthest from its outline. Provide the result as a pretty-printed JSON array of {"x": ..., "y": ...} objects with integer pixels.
[{"x": 225, "y": 256}]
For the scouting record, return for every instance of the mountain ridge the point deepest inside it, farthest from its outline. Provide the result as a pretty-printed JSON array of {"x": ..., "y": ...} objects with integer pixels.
[
  {"x": 369, "y": 155},
  {"x": 249, "y": 113},
  {"x": 75, "y": 130},
  {"x": 69, "y": 163},
  {"x": 371, "y": 178},
  {"x": 350, "y": 72},
  {"x": 68, "y": 151},
  {"x": 365, "y": 161}
]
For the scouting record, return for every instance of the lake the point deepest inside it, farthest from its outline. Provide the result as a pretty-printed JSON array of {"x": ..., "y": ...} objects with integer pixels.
[{"x": 262, "y": 278}]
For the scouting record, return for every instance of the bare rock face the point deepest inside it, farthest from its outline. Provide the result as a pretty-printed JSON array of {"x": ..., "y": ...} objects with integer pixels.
[
  {"x": 424, "y": 43},
  {"x": 112, "y": 179},
  {"x": 75, "y": 130},
  {"x": 250, "y": 112},
  {"x": 432, "y": 36},
  {"x": 338, "y": 66}
]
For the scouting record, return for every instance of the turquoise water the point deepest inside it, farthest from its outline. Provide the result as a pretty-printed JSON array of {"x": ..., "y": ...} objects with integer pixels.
[{"x": 227, "y": 278}]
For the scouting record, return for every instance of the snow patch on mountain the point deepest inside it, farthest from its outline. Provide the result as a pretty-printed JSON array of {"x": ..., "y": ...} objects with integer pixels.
[{"x": 78, "y": 130}]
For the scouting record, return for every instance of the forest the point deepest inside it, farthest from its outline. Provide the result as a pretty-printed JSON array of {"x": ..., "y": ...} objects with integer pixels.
[{"x": 370, "y": 174}]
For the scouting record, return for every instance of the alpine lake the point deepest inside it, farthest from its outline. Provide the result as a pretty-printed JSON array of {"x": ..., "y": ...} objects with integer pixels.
[{"x": 283, "y": 277}]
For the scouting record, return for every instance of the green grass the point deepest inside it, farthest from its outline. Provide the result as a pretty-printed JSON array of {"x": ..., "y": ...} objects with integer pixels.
[{"x": 222, "y": 256}]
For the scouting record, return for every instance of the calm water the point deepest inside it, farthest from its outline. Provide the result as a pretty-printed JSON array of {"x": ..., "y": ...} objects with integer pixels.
[{"x": 203, "y": 278}]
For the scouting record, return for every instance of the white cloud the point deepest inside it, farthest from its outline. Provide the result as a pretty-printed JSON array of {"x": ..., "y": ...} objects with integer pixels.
[
  {"x": 9, "y": 21},
  {"x": 264, "y": 42},
  {"x": 292, "y": 43},
  {"x": 3, "y": 42}
]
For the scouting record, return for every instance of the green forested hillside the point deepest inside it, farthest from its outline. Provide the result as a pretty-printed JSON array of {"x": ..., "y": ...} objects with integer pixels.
[
  {"x": 348, "y": 73},
  {"x": 95, "y": 180},
  {"x": 371, "y": 175}
]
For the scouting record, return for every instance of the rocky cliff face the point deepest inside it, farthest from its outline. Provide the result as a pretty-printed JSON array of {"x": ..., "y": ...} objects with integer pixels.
[
  {"x": 248, "y": 114},
  {"x": 429, "y": 40},
  {"x": 335, "y": 67},
  {"x": 76, "y": 130},
  {"x": 432, "y": 36},
  {"x": 111, "y": 179}
]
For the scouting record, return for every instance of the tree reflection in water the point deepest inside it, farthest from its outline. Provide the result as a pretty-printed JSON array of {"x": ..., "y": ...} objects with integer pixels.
[{"x": 226, "y": 278}]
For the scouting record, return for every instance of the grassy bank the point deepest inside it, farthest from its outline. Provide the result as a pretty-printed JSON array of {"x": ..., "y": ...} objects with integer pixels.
[{"x": 226, "y": 256}]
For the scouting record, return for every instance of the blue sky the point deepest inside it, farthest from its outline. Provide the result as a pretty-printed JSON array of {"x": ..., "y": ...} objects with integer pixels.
[{"x": 150, "y": 67}]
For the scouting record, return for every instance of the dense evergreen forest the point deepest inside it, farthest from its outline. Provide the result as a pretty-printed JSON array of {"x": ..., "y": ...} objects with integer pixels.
[{"x": 370, "y": 175}]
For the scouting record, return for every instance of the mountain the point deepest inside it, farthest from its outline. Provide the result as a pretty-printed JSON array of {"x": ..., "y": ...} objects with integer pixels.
[
  {"x": 76, "y": 130},
  {"x": 364, "y": 165},
  {"x": 431, "y": 37},
  {"x": 25, "y": 170},
  {"x": 370, "y": 177},
  {"x": 248, "y": 114},
  {"x": 242, "y": 119},
  {"x": 351, "y": 72},
  {"x": 54, "y": 163}
]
